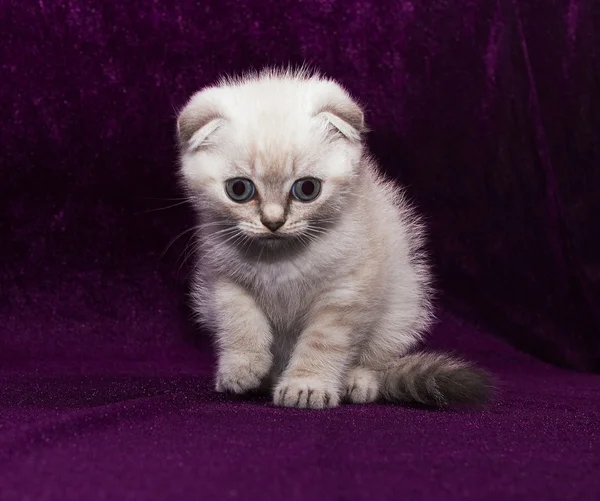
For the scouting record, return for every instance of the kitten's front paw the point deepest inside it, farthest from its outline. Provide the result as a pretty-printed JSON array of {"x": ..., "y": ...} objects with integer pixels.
[
  {"x": 305, "y": 393},
  {"x": 362, "y": 386},
  {"x": 240, "y": 373}
]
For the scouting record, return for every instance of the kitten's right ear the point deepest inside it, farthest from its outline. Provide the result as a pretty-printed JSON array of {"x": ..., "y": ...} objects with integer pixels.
[{"x": 198, "y": 120}]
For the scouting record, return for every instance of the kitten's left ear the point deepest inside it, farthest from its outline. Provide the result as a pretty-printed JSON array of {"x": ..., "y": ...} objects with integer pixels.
[
  {"x": 345, "y": 116},
  {"x": 198, "y": 120}
]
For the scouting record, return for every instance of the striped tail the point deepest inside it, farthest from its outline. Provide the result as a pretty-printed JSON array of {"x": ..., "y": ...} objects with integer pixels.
[{"x": 436, "y": 379}]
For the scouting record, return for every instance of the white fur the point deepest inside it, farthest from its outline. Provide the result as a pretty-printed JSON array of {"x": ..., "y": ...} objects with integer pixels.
[{"x": 321, "y": 317}]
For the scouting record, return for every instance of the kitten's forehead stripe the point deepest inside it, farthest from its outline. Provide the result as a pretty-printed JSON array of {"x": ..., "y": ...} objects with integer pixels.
[
  {"x": 243, "y": 169},
  {"x": 273, "y": 161},
  {"x": 289, "y": 167},
  {"x": 256, "y": 166}
]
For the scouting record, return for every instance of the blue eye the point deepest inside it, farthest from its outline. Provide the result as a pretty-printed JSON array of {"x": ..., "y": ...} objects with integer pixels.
[
  {"x": 239, "y": 189},
  {"x": 307, "y": 189}
]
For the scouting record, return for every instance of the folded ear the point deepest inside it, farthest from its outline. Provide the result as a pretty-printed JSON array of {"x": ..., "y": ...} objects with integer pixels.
[
  {"x": 197, "y": 121},
  {"x": 345, "y": 116}
]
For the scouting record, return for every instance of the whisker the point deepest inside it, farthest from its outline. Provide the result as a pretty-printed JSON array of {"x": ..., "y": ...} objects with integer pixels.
[
  {"x": 215, "y": 223},
  {"x": 223, "y": 231},
  {"x": 196, "y": 248},
  {"x": 187, "y": 254},
  {"x": 161, "y": 208},
  {"x": 165, "y": 199},
  {"x": 246, "y": 242},
  {"x": 233, "y": 239},
  {"x": 176, "y": 238},
  {"x": 261, "y": 252}
]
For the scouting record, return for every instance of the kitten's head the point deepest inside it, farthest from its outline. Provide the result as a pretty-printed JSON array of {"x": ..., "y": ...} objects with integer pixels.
[{"x": 270, "y": 158}]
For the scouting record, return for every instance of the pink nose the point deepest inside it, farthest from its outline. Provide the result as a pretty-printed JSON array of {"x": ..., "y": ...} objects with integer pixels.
[{"x": 273, "y": 225}]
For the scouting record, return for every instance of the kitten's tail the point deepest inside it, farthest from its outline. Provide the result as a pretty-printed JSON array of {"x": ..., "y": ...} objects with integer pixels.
[{"x": 436, "y": 379}]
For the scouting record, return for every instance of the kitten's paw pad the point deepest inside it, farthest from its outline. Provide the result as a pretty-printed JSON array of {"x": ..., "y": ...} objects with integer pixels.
[
  {"x": 241, "y": 374},
  {"x": 305, "y": 394},
  {"x": 362, "y": 386}
]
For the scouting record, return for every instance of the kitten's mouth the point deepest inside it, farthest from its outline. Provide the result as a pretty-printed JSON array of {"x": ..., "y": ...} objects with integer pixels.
[
  {"x": 273, "y": 237},
  {"x": 268, "y": 246},
  {"x": 278, "y": 239}
]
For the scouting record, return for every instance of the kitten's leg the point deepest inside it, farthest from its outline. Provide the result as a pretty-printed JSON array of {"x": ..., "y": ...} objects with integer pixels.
[
  {"x": 243, "y": 339},
  {"x": 316, "y": 372},
  {"x": 362, "y": 385}
]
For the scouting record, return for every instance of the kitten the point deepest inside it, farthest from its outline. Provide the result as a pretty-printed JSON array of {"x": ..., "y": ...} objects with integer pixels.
[{"x": 312, "y": 272}]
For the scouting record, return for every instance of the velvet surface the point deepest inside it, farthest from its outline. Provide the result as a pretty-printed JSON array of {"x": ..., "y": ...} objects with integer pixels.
[{"x": 488, "y": 110}]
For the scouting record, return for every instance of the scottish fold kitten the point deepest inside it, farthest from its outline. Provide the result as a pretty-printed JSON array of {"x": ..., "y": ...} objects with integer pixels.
[{"x": 311, "y": 271}]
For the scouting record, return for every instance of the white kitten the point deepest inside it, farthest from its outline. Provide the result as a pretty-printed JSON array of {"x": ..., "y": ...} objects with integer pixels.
[{"x": 311, "y": 273}]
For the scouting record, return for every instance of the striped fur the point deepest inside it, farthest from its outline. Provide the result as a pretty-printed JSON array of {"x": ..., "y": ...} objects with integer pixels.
[
  {"x": 330, "y": 307},
  {"x": 435, "y": 379}
]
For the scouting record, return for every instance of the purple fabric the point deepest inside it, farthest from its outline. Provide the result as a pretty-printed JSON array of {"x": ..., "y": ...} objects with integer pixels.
[{"x": 488, "y": 110}]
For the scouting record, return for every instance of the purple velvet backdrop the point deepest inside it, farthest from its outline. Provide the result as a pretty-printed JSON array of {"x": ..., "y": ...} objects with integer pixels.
[{"x": 488, "y": 110}]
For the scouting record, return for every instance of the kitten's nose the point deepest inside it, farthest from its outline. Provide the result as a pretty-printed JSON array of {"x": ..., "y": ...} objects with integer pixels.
[
  {"x": 272, "y": 216},
  {"x": 273, "y": 225}
]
